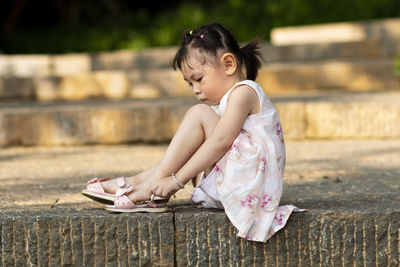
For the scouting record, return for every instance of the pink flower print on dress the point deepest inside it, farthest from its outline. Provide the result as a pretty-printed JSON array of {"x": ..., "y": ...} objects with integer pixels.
[
  {"x": 250, "y": 139},
  {"x": 262, "y": 163},
  {"x": 279, "y": 132},
  {"x": 234, "y": 153},
  {"x": 269, "y": 204},
  {"x": 279, "y": 218},
  {"x": 220, "y": 175},
  {"x": 279, "y": 163},
  {"x": 251, "y": 202}
]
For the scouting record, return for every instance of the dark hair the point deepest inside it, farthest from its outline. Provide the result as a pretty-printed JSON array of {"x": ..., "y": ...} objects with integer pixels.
[{"x": 213, "y": 37}]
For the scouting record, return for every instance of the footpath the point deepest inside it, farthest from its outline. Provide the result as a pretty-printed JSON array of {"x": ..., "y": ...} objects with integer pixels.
[{"x": 65, "y": 119}]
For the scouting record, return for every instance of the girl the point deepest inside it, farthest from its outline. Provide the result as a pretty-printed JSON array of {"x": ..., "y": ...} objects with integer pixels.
[{"x": 231, "y": 146}]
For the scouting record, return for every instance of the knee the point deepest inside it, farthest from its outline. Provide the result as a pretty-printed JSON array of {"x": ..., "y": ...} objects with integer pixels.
[{"x": 199, "y": 110}]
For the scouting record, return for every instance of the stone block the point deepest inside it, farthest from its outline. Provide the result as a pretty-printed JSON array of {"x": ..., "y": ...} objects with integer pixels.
[
  {"x": 207, "y": 238},
  {"x": 280, "y": 78},
  {"x": 155, "y": 58},
  {"x": 357, "y": 76},
  {"x": 340, "y": 74},
  {"x": 118, "y": 60},
  {"x": 86, "y": 238},
  {"x": 156, "y": 121},
  {"x": 168, "y": 82},
  {"x": 385, "y": 29},
  {"x": 47, "y": 88},
  {"x": 352, "y": 120},
  {"x": 13, "y": 87},
  {"x": 25, "y": 65},
  {"x": 77, "y": 87},
  {"x": 112, "y": 84},
  {"x": 71, "y": 64},
  {"x": 292, "y": 116},
  {"x": 106, "y": 84},
  {"x": 143, "y": 90},
  {"x": 5, "y": 68},
  {"x": 369, "y": 49}
]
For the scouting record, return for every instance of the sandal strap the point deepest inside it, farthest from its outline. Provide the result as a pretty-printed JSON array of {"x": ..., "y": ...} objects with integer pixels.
[
  {"x": 124, "y": 191},
  {"x": 121, "y": 182},
  {"x": 97, "y": 180}
]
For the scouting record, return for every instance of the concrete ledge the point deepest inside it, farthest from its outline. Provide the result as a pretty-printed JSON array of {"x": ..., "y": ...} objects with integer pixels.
[
  {"x": 92, "y": 122},
  {"x": 190, "y": 237},
  {"x": 311, "y": 239},
  {"x": 86, "y": 238},
  {"x": 349, "y": 187},
  {"x": 319, "y": 116}
]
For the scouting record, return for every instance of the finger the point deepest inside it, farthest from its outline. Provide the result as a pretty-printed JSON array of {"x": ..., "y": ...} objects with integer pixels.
[
  {"x": 165, "y": 193},
  {"x": 154, "y": 189}
]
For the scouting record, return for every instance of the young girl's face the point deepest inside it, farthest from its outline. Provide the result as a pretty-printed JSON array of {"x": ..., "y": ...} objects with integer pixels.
[{"x": 208, "y": 80}]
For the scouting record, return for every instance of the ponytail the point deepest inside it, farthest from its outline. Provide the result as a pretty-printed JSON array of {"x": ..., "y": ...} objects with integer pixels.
[{"x": 252, "y": 58}]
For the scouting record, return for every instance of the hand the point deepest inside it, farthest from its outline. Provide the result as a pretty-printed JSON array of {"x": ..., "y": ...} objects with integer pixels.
[{"x": 165, "y": 187}]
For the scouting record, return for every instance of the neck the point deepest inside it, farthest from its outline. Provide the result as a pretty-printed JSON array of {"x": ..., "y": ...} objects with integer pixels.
[{"x": 238, "y": 77}]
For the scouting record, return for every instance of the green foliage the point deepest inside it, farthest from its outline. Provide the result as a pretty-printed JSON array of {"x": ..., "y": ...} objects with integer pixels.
[
  {"x": 397, "y": 66},
  {"x": 141, "y": 28}
]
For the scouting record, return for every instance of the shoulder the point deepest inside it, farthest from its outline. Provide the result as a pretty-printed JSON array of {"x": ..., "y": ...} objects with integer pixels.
[
  {"x": 243, "y": 90},
  {"x": 243, "y": 96}
]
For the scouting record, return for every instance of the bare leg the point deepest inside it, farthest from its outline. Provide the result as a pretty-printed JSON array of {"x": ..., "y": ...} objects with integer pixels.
[{"x": 197, "y": 125}]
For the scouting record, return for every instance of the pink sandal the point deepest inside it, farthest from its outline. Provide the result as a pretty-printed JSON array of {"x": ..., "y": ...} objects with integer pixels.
[
  {"x": 95, "y": 191},
  {"x": 123, "y": 204}
]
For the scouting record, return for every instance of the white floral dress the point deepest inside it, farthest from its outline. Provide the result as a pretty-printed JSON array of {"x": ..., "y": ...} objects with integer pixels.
[{"x": 247, "y": 181}]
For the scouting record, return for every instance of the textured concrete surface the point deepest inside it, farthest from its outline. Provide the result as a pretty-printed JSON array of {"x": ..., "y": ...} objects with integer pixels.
[
  {"x": 207, "y": 238},
  {"x": 86, "y": 238},
  {"x": 350, "y": 188},
  {"x": 373, "y": 115}
]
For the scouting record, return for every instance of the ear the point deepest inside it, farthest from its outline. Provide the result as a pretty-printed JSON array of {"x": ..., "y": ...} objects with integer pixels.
[{"x": 229, "y": 63}]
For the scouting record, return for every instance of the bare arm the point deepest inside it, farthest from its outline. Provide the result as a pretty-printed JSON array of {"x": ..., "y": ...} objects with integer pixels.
[{"x": 241, "y": 103}]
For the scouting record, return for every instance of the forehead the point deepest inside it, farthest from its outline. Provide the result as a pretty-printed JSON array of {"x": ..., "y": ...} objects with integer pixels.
[{"x": 198, "y": 61}]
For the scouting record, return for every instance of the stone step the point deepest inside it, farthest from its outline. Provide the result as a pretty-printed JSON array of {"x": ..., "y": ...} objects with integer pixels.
[
  {"x": 366, "y": 49},
  {"x": 351, "y": 75},
  {"x": 315, "y": 116},
  {"x": 72, "y": 64},
  {"x": 278, "y": 78},
  {"x": 387, "y": 30},
  {"x": 27, "y": 66},
  {"x": 350, "y": 189}
]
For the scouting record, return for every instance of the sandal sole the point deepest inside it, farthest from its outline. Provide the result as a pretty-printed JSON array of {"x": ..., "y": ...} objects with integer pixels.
[
  {"x": 98, "y": 197},
  {"x": 150, "y": 210}
]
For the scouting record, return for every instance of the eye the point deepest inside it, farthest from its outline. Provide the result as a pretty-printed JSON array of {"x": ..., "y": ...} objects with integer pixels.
[
  {"x": 190, "y": 84},
  {"x": 199, "y": 79}
]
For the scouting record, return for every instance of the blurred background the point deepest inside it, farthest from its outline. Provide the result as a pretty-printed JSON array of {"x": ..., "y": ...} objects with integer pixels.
[{"x": 64, "y": 26}]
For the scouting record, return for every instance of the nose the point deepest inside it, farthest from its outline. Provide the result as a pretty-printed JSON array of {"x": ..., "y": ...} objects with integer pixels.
[{"x": 196, "y": 90}]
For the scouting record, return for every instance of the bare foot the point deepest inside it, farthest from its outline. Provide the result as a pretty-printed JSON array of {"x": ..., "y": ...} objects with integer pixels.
[
  {"x": 111, "y": 186},
  {"x": 141, "y": 193}
]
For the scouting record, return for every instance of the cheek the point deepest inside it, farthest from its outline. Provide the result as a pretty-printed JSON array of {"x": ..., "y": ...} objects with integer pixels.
[{"x": 210, "y": 93}]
